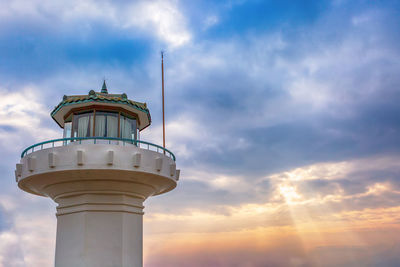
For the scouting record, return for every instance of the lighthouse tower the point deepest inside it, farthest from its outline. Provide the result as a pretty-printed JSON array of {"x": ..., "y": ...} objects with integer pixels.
[{"x": 99, "y": 174}]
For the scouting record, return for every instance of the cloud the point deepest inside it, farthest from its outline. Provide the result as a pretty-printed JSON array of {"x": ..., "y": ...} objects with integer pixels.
[
  {"x": 165, "y": 18},
  {"x": 161, "y": 19},
  {"x": 21, "y": 119},
  {"x": 326, "y": 193},
  {"x": 307, "y": 218},
  {"x": 210, "y": 21},
  {"x": 31, "y": 228},
  {"x": 291, "y": 99},
  {"x": 11, "y": 252}
]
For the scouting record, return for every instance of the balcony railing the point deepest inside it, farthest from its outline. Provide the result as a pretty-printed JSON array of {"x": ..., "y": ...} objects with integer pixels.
[{"x": 96, "y": 140}]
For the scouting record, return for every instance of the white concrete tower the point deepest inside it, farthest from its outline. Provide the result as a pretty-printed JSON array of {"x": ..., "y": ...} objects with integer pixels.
[{"x": 99, "y": 174}]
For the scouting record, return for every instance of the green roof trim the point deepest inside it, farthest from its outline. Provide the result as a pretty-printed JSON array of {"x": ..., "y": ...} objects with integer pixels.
[{"x": 101, "y": 98}]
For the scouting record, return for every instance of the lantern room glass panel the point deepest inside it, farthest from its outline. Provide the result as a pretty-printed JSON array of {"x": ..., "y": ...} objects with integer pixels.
[
  {"x": 83, "y": 125},
  {"x": 128, "y": 128},
  {"x": 106, "y": 124},
  {"x": 67, "y": 129}
]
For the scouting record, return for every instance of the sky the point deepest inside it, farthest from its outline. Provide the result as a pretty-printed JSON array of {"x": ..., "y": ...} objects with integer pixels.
[{"x": 283, "y": 116}]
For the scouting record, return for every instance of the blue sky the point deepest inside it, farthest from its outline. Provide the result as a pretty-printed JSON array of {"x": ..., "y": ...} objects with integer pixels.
[{"x": 280, "y": 113}]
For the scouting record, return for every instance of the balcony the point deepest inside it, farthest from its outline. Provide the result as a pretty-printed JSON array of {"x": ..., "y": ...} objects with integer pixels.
[
  {"x": 96, "y": 140},
  {"x": 77, "y": 165}
]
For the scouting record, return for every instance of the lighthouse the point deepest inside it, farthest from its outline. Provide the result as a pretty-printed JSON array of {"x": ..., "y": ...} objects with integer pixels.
[{"x": 99, "y": 174}]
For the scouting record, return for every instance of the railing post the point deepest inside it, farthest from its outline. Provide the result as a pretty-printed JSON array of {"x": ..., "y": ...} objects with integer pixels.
[{"x": 135, "y": 142}]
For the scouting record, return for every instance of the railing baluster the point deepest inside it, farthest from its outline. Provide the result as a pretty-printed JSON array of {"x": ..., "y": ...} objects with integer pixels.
[{"x": 66, "y": 141}]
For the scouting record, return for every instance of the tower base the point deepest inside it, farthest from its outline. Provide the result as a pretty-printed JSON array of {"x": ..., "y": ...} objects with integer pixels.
[{"x": 101, "y": 230}]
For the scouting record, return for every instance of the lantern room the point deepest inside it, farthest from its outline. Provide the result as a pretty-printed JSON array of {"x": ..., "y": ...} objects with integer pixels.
[{"x": 100, "y": 114}]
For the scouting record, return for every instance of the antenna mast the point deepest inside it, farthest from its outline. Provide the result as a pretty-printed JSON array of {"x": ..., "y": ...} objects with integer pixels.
[{"x": 163, "y": 112}]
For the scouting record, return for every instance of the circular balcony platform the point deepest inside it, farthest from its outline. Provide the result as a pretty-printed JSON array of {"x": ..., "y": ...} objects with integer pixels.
[{"x": 73, "y": 166}]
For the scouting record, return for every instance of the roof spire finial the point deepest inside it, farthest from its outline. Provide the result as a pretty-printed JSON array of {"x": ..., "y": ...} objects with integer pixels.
[{"x": 104, "y": 88}]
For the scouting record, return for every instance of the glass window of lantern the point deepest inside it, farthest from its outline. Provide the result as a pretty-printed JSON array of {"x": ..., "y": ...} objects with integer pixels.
[
  {"x": 128, "y": 128},
  {"x": 106, "y": 124},
  {"x": 83, "y": 125},
  {"x": 67, "y": 127}
]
